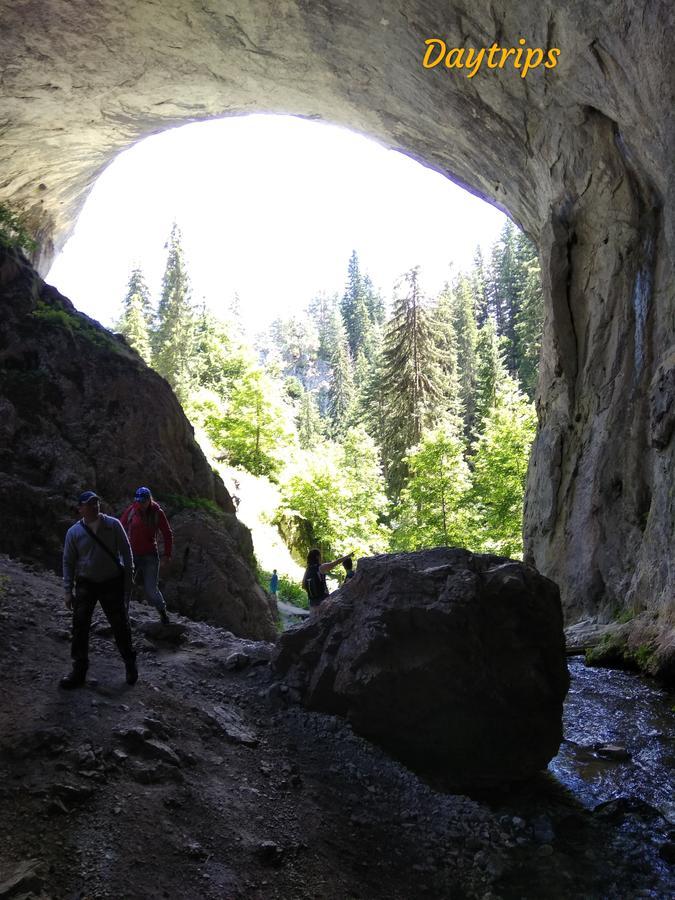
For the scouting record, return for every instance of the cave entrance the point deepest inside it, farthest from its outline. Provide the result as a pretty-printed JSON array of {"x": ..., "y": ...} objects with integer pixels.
[{"x": 269, "y": 247}]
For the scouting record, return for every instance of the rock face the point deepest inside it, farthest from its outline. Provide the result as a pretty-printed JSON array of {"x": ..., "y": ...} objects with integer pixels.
[
  {"x": 454, "y": 662},
  {"x": 580, "y": 155},
  {"x": 79, "y": 409},
  {"x": 210, "y": 576}
]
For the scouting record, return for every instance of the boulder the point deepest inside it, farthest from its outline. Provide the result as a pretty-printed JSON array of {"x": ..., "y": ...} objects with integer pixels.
[
  {"x": 454, "y": 662},
  {"x": 210, "y": 576}
]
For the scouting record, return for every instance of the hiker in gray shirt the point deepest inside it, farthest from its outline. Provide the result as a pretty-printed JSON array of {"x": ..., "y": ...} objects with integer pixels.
[{"x": 93, "y": 572}]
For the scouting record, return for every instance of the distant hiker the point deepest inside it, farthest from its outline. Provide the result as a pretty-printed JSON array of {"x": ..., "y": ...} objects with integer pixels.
[
  {"x": 314, "y": 579},
  {"x": 142, "y": 520},
  {"x": 349, "y": 567},
  {"x": 92, "y": 572},
  {"x": 274, "y": 584}
]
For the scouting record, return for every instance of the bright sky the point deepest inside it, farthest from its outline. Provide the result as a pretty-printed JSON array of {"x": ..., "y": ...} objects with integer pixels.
[{"x": 270, "y": 207}]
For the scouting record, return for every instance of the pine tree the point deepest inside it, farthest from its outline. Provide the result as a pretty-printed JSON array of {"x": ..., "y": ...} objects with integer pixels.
[
  {"x": 503, "y": 291},
  {"x": 174, "y": 340},
  {"x": 490, "y": 371},
  {"x": 479, "y": 288},
  {"x": 321, "y": 311},
  {"x": 446, "y": 344},
  {"x": 308, "y": 422},
  {"x": 341, "y": 393},
  {"x": 466, "y": 335},
  {"x": 411, "y": 377},
  {"x": 136, "y": 315},
  {"x": 529, "y": 316}
]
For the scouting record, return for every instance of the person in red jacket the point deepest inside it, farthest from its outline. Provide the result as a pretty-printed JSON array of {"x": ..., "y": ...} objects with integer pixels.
[{"x": 142, "y": 520}]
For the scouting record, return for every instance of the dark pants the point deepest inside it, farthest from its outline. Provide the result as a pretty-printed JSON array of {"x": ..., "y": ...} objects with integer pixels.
[{"x": 110, "y": 594}]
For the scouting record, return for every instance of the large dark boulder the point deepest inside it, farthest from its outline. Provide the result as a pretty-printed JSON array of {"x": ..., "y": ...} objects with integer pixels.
[{"x": 452, "y": 661}]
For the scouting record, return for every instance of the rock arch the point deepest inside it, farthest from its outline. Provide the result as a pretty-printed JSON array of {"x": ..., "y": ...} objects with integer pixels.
[{"x": 581, "y": 157}]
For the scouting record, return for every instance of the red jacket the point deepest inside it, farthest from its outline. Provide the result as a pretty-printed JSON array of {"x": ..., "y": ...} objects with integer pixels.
[{"x": 142, "y": 529}]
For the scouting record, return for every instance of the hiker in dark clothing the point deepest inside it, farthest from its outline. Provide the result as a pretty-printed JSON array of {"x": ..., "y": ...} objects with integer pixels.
[
  {"x": 92, "y": 572},
  {"x": 314, "y": 579},
  {"x": 348, "y": 567}
]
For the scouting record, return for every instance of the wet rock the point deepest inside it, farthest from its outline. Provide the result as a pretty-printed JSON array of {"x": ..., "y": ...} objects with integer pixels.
[
  {"x": 667, "y": 852},
  {"x": 612, "y": 751},
  {"x": 451, "y": 661},
  {"x": 618, "y": 809}
]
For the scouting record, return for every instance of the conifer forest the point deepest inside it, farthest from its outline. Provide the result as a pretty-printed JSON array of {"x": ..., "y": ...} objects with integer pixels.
[{"x": 387, "y": 423}]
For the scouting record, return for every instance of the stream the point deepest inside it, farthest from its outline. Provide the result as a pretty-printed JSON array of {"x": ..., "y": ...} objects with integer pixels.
[{"x": 607, "y": 706}]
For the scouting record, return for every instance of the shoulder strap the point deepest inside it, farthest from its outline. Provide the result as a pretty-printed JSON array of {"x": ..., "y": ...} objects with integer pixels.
[{"x": 101, "y": 544}]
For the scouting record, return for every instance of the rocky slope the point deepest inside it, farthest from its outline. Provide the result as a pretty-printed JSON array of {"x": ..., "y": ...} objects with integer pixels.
[
  {"x": 79, "y": 409},
  {"x": 201, "y": 781}
]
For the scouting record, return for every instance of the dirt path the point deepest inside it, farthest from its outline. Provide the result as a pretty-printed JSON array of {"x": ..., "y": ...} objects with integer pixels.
[{"x": 200, "y": 782}]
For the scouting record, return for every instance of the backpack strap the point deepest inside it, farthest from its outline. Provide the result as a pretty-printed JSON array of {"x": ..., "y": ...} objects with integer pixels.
[{"x": 101, "y": 544}]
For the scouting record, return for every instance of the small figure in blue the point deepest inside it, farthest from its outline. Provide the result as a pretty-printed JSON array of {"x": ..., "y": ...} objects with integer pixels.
[
  {"x": 274, "y": 584},
  {"x": 348, "y": 567}
]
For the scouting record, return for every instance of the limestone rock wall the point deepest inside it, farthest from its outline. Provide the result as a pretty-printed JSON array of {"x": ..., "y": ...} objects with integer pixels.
[{"x": 580, "y": 156}]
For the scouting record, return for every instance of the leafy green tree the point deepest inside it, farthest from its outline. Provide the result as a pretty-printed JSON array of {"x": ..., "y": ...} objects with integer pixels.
[
  {"x": 432, "y": 510},
  {"x": 174, "y": 339},
  {"x": 136, "y": 315},
  {"x": 340, "y": 491},
  {"x": 499, "y": 470},
  {"x": 251, "y": 427}
]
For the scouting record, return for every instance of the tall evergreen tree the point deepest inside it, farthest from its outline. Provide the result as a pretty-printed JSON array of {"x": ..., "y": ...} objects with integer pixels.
[
  {"x": 174, "y": 339},
  {"x": 466, "y": 333},
  {"x": 490, "y": 371},
  {"x": 503, "y": 291},
  {"x": 321, "y": 311},
  {"x": 479, "y": 288},
  {"x": 341, "y": 393},
  {"x": 136, "y": 315},
  {"x": 411, "y": 378},
  {"x": 308, "y": 422},
  {"x": 446, "y": 343},
  {"x": 529, "y": 316}
]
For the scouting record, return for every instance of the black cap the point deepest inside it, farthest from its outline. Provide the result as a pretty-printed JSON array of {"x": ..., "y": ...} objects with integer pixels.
[{"x": 86, "y": 497}]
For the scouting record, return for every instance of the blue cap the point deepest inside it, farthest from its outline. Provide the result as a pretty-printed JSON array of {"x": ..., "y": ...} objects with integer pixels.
[
  {"x": 87, "y": 497},
  {"x": 142, "y": 493}
]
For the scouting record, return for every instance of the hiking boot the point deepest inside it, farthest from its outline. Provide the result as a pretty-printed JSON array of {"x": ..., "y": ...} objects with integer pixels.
[
  {"x": 164, "y": 616},
  {"x": 132, "y": 671},
  {"x": 74, "y": 679}
]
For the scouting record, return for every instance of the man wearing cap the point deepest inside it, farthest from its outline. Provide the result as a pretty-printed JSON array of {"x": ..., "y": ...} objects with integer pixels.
[
  {"x": 142, "y": 520},
  {"x": 93, "y": 572}
]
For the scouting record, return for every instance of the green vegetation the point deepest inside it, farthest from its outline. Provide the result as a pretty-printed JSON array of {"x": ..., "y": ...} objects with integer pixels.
[
  {"x": 13, "y": 232},
  {"x": 75, "y": 324},
  {"x": 396, "y": 425},
  {"x": 177, "y": 502}
]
